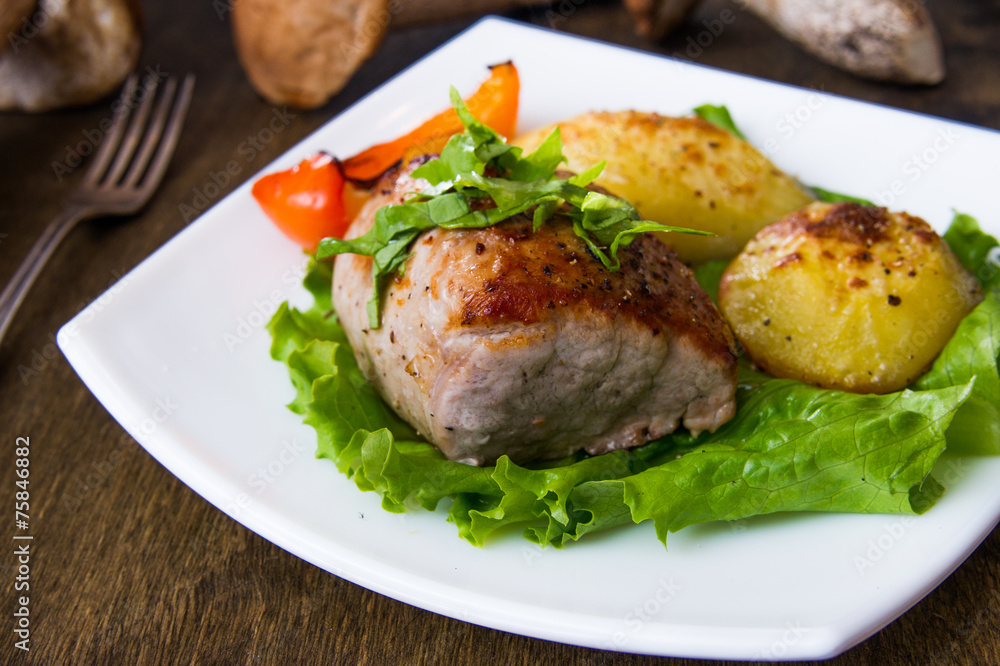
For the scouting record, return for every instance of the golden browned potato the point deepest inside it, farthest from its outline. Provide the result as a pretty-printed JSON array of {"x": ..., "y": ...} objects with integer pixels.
[
  {"x": 847, "y": 296},
  {"x": 681, "y": 171}
]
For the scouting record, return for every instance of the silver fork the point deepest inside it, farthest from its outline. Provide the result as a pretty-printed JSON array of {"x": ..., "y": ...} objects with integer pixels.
[{"x": 125, "y": 172}]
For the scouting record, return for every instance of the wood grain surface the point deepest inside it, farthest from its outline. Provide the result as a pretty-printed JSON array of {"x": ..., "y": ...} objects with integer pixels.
[{"x": 129, "y": 566}]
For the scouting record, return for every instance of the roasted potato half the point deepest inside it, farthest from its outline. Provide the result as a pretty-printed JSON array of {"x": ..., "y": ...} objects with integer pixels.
[
  {"x": 681, "y": 171},
  {"x": 847, "y": 296}
]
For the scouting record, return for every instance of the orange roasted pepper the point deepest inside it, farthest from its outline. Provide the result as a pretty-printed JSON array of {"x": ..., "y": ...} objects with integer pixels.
[
  {"x": 494, "y": 104},
  {"x": 312, "y": 200},
  {"x": 307, "y": 201}
]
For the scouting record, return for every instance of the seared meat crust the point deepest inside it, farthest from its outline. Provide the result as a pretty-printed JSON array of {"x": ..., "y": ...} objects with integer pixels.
[{"x": 507, "y": 341}]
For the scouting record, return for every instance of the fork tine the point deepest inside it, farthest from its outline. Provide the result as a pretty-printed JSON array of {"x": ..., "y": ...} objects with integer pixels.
[
  {"x": 152, "y": 136},
  {"x": 136, "y": 129},
  {"x": 90, "y": 199},
  {"x": 110, "y": 143},
  {"x": 171, "y": 134}
]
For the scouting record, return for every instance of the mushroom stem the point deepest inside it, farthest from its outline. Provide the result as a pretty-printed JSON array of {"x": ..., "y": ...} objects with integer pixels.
[
  {"x": 885, "y": 40},
  {"x": 655, "y": 19}
]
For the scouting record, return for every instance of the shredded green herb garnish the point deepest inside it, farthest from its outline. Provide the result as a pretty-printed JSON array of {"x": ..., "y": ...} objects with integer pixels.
[{"x": 524, "y": 183}]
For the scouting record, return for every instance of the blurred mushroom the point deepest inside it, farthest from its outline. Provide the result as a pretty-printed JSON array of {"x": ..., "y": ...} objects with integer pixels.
[
  {"x": 15, "y": 18},
  {"x": 302, "y": 52},
  {"x": 655, "y": 19},
  {"x": 885, "y": 40},
  {"x": 68, "y": 53},
  {"x": 432, "y": 11}
]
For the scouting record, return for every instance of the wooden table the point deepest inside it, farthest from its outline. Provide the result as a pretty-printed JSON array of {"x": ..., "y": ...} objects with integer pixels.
[{"x": 130, "y": 566}]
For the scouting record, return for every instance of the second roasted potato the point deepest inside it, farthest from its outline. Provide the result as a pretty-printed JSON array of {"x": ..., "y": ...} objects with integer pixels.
[
  {"x": 683, "y": 172},
  {"x": 847, "y": 297}
]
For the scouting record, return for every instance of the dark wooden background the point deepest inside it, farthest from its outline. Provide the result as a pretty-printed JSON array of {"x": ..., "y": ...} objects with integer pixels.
[{"x": 132, "y": 567}]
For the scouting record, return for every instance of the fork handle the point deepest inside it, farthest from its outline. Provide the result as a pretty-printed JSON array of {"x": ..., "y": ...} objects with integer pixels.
[{"x": 19, "y": 285}]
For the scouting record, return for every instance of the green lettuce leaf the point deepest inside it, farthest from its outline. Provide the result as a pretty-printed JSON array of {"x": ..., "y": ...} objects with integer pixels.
[
  {"x": 978, "y": 251},
  {"x": 708, "y": 275},
  {"x": 829, "y": 196},
  {"x": 791, "y": 447},
  {"x": 973, "y": 353},
  {"x": 720, "y": 117}
]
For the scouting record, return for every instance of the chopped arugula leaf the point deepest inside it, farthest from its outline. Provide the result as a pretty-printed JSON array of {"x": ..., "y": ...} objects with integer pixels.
[{"x": 604, "y": 222}]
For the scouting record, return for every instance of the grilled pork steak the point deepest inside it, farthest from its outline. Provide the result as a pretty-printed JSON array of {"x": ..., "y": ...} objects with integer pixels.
[{"x": 506, "y": 341}]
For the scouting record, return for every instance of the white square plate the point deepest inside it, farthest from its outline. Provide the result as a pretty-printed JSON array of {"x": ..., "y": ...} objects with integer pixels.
[{"x": 177, "y": 352}]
